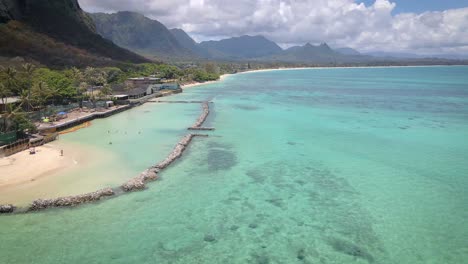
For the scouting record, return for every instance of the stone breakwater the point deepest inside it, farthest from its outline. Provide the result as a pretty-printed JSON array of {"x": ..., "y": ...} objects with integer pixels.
[
  {"x": 139, "y": 182},
  {"x": 69, "y": 201},
  {"x": 7, "y": 208},
  {"x": 201, "y": 119}
]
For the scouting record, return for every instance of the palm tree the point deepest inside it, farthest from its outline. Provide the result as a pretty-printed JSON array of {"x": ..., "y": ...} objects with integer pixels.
[
  {"x": 28, "y": 70},
  {"x": 40, "y": 94},
  {"x": 6, "y": 90}
]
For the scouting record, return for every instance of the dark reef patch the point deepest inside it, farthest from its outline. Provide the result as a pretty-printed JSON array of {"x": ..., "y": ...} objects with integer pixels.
[
  {"x": 220, "y": 157},
  {"x": 256, "y": 175},
  {"x": 351, "y": 249},
  {"x": 246, "y": 107},
  {"x": 209, "y": 238}
]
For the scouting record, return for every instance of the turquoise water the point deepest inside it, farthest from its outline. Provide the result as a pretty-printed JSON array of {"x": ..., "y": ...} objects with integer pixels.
[{"x": 305, "y": 166}]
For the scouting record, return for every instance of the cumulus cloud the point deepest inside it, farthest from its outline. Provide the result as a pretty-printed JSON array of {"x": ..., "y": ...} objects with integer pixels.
[{"x": 292, "y": 22}]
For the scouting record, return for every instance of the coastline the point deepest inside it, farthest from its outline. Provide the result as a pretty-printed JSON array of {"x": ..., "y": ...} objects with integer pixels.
[
  {"x": 223, "y": 76},
  {"x": 25, "y": 176},
  {"x": 195, "y": 84},
  {"x": 24, "y": 171},
  {"x": 50, "y": 162}
]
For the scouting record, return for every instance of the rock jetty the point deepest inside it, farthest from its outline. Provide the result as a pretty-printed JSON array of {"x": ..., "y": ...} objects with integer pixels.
[
  {"x": 138, "y": 183},
  {"x": 198, "y": 124},
  {"x": 176, "y": 152},
  {"x": 7, "y": 208},
  {"x": 69, "y": 201}
]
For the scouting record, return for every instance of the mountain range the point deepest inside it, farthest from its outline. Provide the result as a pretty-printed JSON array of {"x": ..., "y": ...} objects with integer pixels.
[
  {"x": 58, "y": 33},
  {"x": 140, "y": 34},
  {"x": 151, "y": 38}
]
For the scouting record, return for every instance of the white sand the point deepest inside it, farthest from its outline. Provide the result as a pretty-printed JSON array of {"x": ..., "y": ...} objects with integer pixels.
[
  {"x": 23, "y": 167},
  {"x": 189, "y": 85}
]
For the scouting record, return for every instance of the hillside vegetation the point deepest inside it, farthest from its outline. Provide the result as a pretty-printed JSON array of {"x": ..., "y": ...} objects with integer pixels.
[{"x": 33, "y": 28}]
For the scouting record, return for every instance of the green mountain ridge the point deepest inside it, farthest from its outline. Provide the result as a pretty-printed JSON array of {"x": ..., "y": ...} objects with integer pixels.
[
  {"x": 57, "y": 34},
  {"x": 139, "y": 34},
  {"x": 243, "y": 47}
]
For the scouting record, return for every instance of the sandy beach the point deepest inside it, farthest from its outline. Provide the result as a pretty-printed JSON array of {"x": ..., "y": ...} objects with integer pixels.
[
  {"x": 190, "y": 85},
  {"x": 222, "y": 77},
  {"x": 23, "y": 167}
]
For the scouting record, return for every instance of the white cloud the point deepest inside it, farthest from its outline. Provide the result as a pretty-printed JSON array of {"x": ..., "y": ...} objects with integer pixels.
[{"x": 288, "y": 22}]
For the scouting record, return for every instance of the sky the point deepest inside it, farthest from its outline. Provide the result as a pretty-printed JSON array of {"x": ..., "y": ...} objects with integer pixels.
[{"x": 409, "y": 26}]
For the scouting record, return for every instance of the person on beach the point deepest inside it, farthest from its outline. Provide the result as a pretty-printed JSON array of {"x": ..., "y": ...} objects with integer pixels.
[{"x": 61, "y": 152}]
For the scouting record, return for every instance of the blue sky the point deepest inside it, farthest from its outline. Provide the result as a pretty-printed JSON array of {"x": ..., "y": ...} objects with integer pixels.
[{"x": 419, "y": 6}]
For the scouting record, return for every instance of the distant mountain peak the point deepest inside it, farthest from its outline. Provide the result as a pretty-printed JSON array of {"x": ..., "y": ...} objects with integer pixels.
[
  {"x": 141, "y": 34},
  {"x": 324, "y": 45},
  {"x": 241, "y": 47}
]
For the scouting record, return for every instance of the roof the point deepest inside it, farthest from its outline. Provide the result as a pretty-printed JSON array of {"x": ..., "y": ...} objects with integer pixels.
[
  {"x": 136, "y": 91},
  {"x": 144, "y": 79}
]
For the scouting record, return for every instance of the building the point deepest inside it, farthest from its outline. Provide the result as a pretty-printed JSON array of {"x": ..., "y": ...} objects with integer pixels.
[
  {"x": 167, "y": 86},
  {"x": 9, "y": 101},
  {"x": 136, "y": 93},
  {"x": 139, "y": 81}
]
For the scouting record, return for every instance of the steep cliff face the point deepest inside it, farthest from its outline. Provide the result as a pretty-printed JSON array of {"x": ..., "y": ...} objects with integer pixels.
[
  {"x": 139, "y": 34},
  {"x": 10, "y": 10},
  {"x": 61, "y": 20}
]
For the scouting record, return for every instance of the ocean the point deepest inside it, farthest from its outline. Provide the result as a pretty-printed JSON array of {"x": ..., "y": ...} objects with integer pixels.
[{"x": 355, "y": 165}]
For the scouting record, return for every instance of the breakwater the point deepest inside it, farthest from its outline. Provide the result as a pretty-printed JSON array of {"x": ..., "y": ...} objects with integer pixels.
[
  {"x": 139, "y": 182},
  {"x": 68, "y": 201},
  {"x": 202, "y": 118}
]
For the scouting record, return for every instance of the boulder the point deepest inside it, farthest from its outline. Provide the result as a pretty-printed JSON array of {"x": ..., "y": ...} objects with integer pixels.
[
  {"x": 67, "y": 201},
  {"x": 7, "y": 208}
]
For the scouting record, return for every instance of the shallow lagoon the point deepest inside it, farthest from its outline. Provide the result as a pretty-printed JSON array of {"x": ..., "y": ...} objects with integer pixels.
[{"x": 313, "y": 166}]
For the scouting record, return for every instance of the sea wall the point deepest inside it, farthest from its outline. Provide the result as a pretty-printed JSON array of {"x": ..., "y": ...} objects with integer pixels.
[
  {"x": 7, "y": 208},
  {"x": 139, "y": 182},
  {"x": 202, "y": 118},
  {"x": 69, "y": 201}
]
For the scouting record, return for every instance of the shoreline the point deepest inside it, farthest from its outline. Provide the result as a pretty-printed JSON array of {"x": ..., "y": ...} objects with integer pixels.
[
  {"x": 50, "y": 168},
  {"x": 223, "y": 76},
  {"x": 136, "y": 183},
  {"x": 195, "y": 84}
]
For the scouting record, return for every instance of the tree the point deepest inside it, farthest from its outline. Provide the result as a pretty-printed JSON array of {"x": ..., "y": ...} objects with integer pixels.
[
  {"x": 94, "y": 77},
  {"x": 28, "y": 70},
  {"x": 79, "y": 84},
  {"x": 11, "y": 83},
  {"x": 40, "y": 94},
  {"x": 7, "y": 88},
  {"x": 57, "y": 81},
  {"x": 105, "y": 91}
]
